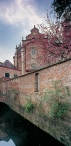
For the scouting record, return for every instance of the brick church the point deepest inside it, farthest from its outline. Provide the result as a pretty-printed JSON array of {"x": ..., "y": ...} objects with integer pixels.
[
  {"x": 33, "y": 54},
  {"x": 29, "y": 55}
]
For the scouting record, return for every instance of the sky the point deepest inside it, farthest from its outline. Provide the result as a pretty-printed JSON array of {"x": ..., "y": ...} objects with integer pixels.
[
  {"x": 17, "y": 18},
  {"x": 9, "y": 143}
]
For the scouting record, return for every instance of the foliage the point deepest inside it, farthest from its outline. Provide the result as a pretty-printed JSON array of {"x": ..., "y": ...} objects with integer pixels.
[
  {"x": 55, "y": 40},
  {"x": 59, "y": 100},
  {"x": 58, "y": 110},
  {"x": 15, "y": 75},
  {"x": 29, "y": 106},
  {"x": 60, "y": 6}
]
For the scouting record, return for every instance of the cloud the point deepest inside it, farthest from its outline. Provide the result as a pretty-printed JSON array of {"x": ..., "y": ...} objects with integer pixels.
[
  {"x": 0, "y": 50},
  {"x": 17, "y": 18},
  {"x": 19, "y": 12},
  {"x": 5, "y": 54}
]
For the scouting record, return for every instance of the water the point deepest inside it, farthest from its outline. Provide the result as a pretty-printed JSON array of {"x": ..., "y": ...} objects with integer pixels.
[
  {"x": 9, "y": 143},
  {"x": 17, "y": 131}
]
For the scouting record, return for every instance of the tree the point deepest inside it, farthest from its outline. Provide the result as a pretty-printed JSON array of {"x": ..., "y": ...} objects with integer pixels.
[
  {"x": 60, "y": 6},
  {"x": 56, "y": 41}
]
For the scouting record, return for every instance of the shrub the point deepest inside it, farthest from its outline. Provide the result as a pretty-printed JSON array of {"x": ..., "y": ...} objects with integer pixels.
[
  {"x": 59, "y": 99},
  {"x": 15, "y": 75},
  {"x": 29, "y": 107},
  {"x": 58, "y": 110}
]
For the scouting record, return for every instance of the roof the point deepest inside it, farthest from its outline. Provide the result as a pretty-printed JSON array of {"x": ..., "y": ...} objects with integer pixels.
[{"x": 8, "y": 64}]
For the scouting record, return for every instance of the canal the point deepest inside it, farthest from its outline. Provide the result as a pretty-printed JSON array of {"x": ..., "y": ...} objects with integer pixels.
[{"x": 17, "y": 131}]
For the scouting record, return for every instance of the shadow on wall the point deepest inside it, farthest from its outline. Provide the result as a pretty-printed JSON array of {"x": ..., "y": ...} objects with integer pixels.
[
  {"x": 23, "y": 132},
  {"x": 4, "y": 108}
]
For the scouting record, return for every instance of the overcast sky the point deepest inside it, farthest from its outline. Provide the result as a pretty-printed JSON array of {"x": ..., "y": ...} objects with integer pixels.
[{"x": 17, "y": 18}]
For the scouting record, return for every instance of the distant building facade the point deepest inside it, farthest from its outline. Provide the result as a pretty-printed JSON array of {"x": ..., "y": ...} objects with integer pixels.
[
  {"x": 29, "y": 55},
  {"x": 8, "y": 70}
]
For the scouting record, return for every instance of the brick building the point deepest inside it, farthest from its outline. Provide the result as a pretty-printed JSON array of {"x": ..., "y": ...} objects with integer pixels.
[
  {"x": 33, "y": 54},
  {"x": 8, "y": 70},
  {"x": 29, "y": 55}
]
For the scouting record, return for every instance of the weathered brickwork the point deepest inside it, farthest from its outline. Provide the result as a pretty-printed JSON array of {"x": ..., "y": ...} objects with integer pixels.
[
  {"x": 30, "y": 54},
  {"x": 27, "y": 83},
  {"x": 11, "y": 71}
]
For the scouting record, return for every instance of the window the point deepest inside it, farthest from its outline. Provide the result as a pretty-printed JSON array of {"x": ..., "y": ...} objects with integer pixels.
[
  {"x": 36, "y": 82},
  {"x": 33, "y": 52},
  {"x": 33, "y": 65},
  {"x": 7, "y": 75}
]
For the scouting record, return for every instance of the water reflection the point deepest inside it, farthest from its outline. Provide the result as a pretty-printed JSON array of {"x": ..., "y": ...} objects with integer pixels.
[
  {"x": 22, "y": 132},
  {"x": 5, "y": 139},
  {"x": 9, "y": 143}
]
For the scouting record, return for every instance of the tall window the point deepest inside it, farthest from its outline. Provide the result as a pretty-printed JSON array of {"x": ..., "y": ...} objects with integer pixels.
[
  {"x": 36, "y": 82},
  {"x": 33, "y": 52},
  {"x": 7, "y": 75}
]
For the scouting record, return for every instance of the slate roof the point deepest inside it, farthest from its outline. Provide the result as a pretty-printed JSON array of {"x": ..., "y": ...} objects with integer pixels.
[{"x": 8, "y": 64}]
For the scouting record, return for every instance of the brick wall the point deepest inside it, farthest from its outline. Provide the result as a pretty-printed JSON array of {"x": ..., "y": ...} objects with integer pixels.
[
  {"x": 19, "y": 61},
  {"x": 34, "y": 57},
  {"x": 11, "y": 71},
  {"x": 31, "y": 61},
  {"x": 27, "y": 83}
]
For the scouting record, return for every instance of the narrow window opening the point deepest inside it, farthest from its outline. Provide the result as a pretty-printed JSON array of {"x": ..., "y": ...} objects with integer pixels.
[{"x": 36, "y": 82}]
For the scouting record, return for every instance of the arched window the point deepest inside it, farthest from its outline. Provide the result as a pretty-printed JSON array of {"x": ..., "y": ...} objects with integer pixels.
[{"x": 7, "y": 75}]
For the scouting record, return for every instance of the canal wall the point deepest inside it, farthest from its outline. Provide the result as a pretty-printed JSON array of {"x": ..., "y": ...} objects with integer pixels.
[{"x": 31, "y": 87}]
